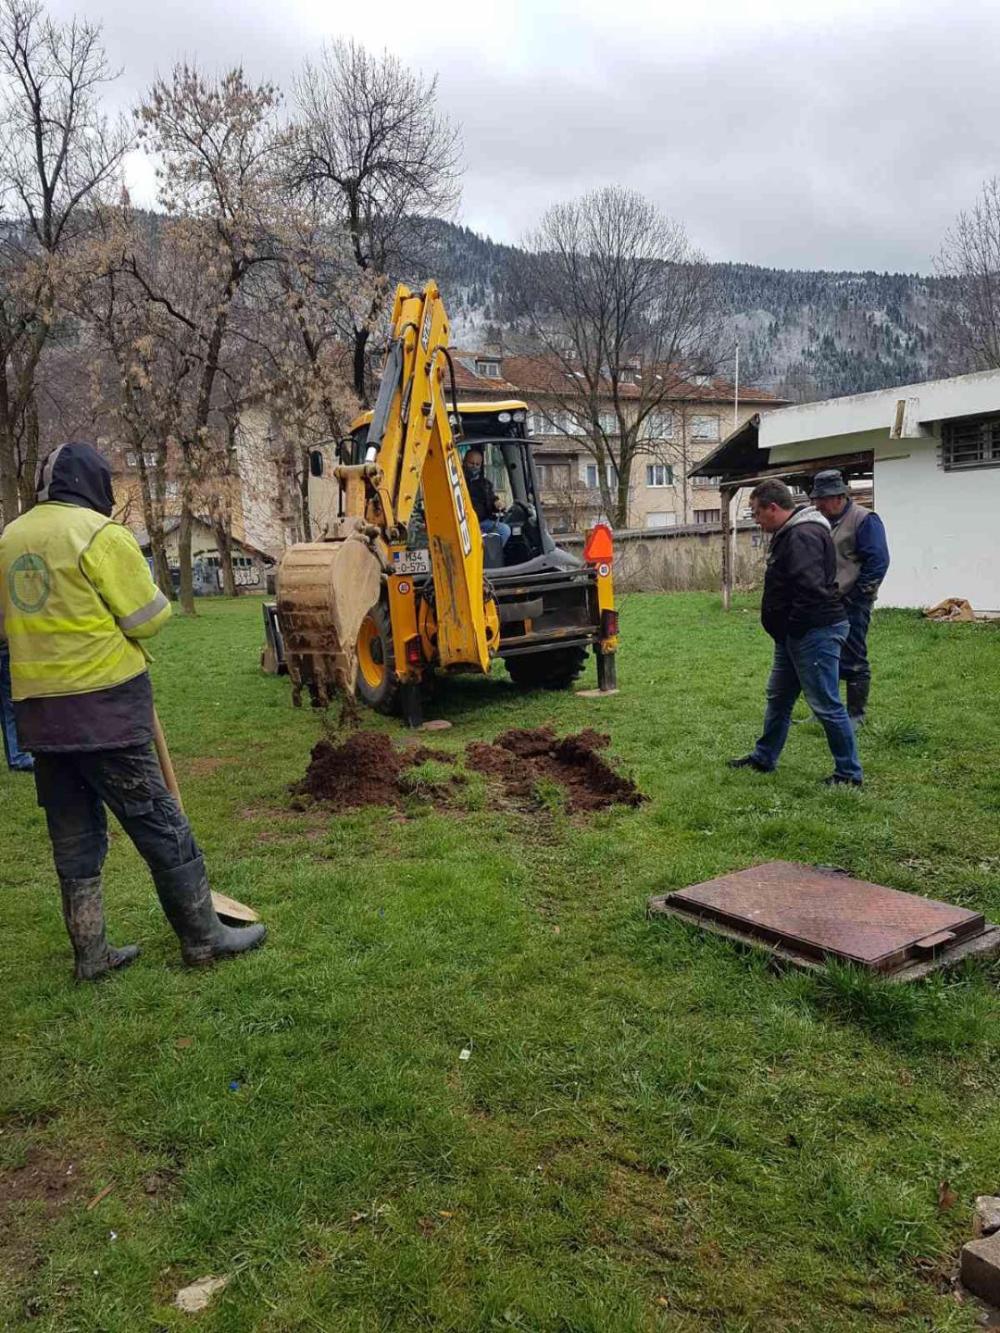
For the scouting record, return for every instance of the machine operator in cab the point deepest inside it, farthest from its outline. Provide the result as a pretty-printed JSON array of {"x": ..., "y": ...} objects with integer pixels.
[{"x": 482, "y": 493}]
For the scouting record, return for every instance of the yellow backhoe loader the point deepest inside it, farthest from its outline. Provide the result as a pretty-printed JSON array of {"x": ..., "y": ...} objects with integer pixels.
[{"x": 404, "y": 584}]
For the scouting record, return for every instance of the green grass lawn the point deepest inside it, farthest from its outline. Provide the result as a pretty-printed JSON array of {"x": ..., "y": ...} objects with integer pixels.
[{"x": 654, "y": 1131}]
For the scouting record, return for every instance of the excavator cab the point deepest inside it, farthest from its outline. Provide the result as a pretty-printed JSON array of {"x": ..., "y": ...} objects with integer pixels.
[
  {"x": 499, "y": 431},
  {"x": 400, "y": 536}
]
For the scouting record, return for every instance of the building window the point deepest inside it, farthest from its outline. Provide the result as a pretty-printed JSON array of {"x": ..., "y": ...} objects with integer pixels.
[
  {"x": 609, "y": 423},
  {"x": 705, "y": 428},
  {"x": 706, "y": 483},
  {"x": 708, "y": 515},
  {"x": 148, "y": 457},
  {"x": 658, "y": 426},
  {"x": 590, "y": 475},
  {"x": 659, "y": 474},
  {"x": 172, "y": 490},
  {"x": 569, "y": 424},
  {"x": 489, "y": 369},
  {"x": 974, "y": 442},
  {"x": 553, "y": 476},
  {"x": 661, "y": 518},
  {"x": 538, "y": 424}
]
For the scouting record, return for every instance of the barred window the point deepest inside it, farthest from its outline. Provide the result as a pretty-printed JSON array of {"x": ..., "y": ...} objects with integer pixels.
[{"x": 974, "y": 442}]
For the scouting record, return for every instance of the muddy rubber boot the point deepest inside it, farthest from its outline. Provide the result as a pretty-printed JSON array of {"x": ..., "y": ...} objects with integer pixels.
[
  {"x": 187, "y": 901},
  {"x": 857, "y": 701},
  {"x": 83, "y": 912}
]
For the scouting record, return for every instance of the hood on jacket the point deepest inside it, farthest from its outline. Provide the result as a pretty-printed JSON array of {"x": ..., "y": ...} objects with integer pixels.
[
  {"x": 807, "y": 514},
  {"x": 77, "y": 474}
]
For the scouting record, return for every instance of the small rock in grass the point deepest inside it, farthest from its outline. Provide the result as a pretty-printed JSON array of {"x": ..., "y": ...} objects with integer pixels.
[
  {"x": 986, "y": 1218},
  {"x": 194, "y": 1299}
]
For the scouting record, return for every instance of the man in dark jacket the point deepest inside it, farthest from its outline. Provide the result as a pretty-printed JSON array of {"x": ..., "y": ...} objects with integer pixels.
[
  {"x": 483, "y": 495},
  {"x": 862, "y": 562},
  {"x": 802, "y": 611},
  {"x": 76, "y": 600}
]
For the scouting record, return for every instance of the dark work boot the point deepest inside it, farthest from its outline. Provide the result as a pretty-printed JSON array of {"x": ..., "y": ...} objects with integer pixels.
[
  {"x": 187, "y": 901},
  {"x": 857, "y": 701},
  {"x": 83, "y": 912}
]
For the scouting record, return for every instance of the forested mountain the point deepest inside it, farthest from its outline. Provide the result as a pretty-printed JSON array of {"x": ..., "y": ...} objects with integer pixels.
[{"x": 804, "y": 334}]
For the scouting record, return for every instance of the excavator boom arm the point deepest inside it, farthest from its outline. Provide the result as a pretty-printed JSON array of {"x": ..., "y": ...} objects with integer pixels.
[{"x": 325, "y": 589}]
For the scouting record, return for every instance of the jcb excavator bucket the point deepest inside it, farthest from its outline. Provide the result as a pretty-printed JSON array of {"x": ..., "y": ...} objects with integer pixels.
[{"x": 325, "y": 590}]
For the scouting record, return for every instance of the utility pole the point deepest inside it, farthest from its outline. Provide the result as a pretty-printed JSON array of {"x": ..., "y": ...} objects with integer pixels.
[{"x": 736, "y": 390}]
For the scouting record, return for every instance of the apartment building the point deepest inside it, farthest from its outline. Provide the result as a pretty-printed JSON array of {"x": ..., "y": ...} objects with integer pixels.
[{"x": 697, "y": 413}]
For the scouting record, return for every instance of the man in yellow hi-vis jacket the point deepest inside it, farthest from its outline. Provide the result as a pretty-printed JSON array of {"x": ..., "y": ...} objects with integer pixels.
[{"x": 76, "y": 597}]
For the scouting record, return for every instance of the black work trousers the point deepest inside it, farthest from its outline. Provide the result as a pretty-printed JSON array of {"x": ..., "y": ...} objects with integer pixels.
[
  {"x": 854, "y": 665},
  {"x": 75, "y": 786}
]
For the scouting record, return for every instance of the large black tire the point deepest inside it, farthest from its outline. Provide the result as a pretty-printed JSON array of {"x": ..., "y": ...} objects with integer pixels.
[
  {"x": 553, "y": 669},
  {"x": 378, "y": 684}
]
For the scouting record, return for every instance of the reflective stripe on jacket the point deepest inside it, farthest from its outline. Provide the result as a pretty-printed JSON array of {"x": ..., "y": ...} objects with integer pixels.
[{"x": 75, "y": 591}]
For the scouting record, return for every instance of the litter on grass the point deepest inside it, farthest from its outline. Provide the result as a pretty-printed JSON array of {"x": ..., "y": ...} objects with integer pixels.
[{"x": 195, "y": 1298}]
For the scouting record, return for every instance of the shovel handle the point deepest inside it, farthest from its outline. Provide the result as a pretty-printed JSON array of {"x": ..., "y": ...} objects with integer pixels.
[
  {"x": 228, "y": 908},
  {"x": 166, "y": 765}
]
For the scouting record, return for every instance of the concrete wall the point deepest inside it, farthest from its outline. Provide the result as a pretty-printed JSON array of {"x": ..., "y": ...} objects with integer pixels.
[
  {"x": 942, "y": 527},
  {"x": 260, "y": 512},
  {"x": 680, "y": 559}
]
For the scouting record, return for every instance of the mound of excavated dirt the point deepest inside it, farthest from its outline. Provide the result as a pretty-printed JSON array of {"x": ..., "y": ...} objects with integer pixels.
[
  {"x": 368, "y": 768},
  {"x": 520, "y": 757},
  {"x": 365, "y": 769}
]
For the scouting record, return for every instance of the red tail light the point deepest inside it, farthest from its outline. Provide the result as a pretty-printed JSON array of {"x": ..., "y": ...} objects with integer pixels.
[
  {"x": 414, "y": 654},
  {"x": 609, "y": 624}
]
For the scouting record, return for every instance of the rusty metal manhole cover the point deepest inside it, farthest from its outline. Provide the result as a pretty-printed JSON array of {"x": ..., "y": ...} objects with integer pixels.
[{"x": 811, "y": 915}]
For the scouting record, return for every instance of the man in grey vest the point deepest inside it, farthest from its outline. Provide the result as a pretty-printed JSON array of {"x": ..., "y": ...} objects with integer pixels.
[{"x": 862, "y": 561}]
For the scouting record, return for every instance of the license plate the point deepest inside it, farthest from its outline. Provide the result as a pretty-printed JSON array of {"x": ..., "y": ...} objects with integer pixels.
[{"x": 411, "y": 562}]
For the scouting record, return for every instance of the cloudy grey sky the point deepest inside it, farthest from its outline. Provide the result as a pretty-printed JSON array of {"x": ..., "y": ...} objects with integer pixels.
[{"x": 813, "y": 133}]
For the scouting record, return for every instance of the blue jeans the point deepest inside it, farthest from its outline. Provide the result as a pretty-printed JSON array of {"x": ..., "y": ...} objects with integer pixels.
[
  {"x": 810, "y": 666},
  {"x": 16, "y": 757},
  {"x": 854, "y": 658},
  {"x": 494, "y": 525}
]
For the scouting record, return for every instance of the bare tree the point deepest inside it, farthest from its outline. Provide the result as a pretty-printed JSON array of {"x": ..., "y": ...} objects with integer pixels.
[
  {"x": 370, "y": 141},
  {"x": 625, "y": 311},
  {"x": 968, "y": 325},
  {"x": 216, "y": 141},
  {"x": 138, "y": 358},
  {"x": 302, "y": 368},
  {"x": 58, "y": 152}
]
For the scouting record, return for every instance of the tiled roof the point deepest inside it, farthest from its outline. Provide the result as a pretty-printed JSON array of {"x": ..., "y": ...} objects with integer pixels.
[
  {"x": 468, "y": 381},
  {"x": 527, "y": 375}
]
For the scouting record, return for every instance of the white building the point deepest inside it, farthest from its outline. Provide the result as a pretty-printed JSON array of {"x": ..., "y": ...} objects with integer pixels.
[{"x": 932, "y": 453}]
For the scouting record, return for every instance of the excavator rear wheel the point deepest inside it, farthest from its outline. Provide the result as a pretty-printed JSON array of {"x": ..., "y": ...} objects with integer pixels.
[
  {"x": 555, "y": 669},
  {"x": 378, "y": 684}
]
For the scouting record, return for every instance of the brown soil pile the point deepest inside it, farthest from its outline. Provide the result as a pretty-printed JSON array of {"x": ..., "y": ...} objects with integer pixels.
[
  {"x": 520, "y": 757},
  {"x": 365, "y": 769},
  {"x": 368, "y": 768}
]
